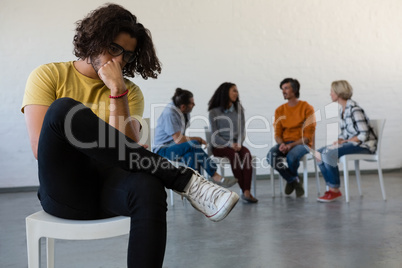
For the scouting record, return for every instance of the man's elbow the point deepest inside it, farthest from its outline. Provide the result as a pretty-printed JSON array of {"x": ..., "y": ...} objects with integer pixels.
[
  {"x": 35, "y": 153},
  {"x": 34, "y": 147}
]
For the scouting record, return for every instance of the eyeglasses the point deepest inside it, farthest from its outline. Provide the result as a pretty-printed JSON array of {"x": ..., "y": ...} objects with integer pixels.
[{"x": 116, "y": 50}]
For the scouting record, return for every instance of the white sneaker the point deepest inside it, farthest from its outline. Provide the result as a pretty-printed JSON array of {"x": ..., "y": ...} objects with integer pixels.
[{"x": 214, "y": 201}]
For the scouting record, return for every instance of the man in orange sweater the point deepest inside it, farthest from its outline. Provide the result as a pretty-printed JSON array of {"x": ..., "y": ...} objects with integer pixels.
[{"x": 294, "y": 134}]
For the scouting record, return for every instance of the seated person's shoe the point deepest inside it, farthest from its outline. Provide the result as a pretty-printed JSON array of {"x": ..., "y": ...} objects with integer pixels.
[
  {"x": 290, "y": 187},
  {"x": 299, "y": 188},
  {"x": 250, "y": 199},
  {"x": 214, "y": 201},
  {"x": 226, "y": 182},
  {"x": 329, "y": 196}
]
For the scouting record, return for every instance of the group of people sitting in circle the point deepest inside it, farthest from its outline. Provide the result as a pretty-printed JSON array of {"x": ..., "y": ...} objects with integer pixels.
[{"x": 294, "y": 127}]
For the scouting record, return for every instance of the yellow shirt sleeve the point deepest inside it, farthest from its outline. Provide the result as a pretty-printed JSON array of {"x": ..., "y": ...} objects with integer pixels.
[
  {"x": 40, "y": 88},
  {"x": 52, "y": 81}
]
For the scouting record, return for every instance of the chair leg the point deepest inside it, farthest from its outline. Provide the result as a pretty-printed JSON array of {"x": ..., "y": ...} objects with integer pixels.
[
  {"x": 346, "y": 178},
  {"x": 176, "y": 164},
  {"x": 381, "y": 181},
  {"x": 317, "y": 177},
  {"x": 34, "y": 252},
  {"x": 254, "y": 178},
  {"x": 171, "y": 197},
  {"x": 33, "y": 246},
  {"x": 357, "y": 171},
  {"x": 222, "y": 168},
  {"x": 280, "y": 185},
  {"x": 305, "y": 176},
  {"x": 50, "y": 252},
  {"x": 272, "y": 182}
]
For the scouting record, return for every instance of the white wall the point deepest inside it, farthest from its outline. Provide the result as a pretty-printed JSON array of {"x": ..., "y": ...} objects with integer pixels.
[{"x": 254, "y": 44}]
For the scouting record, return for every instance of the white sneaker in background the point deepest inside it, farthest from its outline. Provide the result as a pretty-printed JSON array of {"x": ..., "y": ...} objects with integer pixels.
[{"x": 226, "y": 182}]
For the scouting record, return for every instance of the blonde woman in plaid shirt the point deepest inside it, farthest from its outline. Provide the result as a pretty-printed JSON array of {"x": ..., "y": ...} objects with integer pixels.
[{"x": 356, "y": 137}]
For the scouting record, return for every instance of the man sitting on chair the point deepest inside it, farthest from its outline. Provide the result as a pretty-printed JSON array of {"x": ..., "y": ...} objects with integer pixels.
[
  {"x": 170, "y": 141},
  {"x": 294, "y": 131}
]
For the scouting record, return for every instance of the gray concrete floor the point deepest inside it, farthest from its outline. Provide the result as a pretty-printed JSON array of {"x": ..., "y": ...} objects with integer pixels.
[{"x": 276, "y": 232}]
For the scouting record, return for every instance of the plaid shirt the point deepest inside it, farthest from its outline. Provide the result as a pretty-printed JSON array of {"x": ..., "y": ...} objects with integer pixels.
[{"x": 354, "y": 122}]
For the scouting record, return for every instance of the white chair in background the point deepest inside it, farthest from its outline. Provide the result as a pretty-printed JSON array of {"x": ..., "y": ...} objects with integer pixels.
[
  {"x": 146, "y": 131},
  {"x": 378, "y": 127},
  {"x": 42, "y": 224},
  {"x": 223, "y": 162},
  {"x": 146, "y": 135}
]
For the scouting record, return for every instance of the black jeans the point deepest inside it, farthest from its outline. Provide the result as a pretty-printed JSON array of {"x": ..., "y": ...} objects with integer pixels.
[{"x": 90, "y": 170}]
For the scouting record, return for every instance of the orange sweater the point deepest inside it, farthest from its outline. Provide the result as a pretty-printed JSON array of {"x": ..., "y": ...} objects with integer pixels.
[{"x": 290, "y": 122}]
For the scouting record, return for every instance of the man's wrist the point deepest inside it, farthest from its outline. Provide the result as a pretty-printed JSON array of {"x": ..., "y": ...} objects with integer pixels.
[
  {"x": 112, "y": 96},
  {"x": 118, "y": 90}
]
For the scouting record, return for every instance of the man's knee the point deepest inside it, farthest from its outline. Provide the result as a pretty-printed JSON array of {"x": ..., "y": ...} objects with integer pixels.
[
  {"x": 60, "y": 108},
  {"x": 296, "y": 153},
  {"x": 272, "y": 155},
  {"x": 63, "y": 104}
]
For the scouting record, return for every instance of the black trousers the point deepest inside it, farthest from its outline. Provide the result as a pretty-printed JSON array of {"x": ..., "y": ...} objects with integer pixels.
[{"x": 90, "y": 170}]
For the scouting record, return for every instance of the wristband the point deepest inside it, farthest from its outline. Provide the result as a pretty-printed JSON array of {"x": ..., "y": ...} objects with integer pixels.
[{"x": 119, "y": 96}]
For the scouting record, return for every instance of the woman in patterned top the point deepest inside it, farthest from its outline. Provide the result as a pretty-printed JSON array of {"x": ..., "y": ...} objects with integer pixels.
[{"x": 356, "y": 137}]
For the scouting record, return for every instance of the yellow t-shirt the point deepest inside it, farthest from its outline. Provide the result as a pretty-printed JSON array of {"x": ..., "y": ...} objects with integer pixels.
[
  {"x": 52, "y": 81},
  {"x": 291, "y": 123}
]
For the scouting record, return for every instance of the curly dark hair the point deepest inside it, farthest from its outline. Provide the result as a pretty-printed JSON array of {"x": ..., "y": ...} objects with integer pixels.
[
  {"x": 100, "y": 27},
  {"x": 221, "y": 97}
]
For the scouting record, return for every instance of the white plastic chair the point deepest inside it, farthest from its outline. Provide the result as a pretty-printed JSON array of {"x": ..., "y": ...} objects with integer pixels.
[
  {"x": 42, "y": 224},
  {"x": 223, "y": 162},
  {"x": 304, "y": 160},
  {"x": 378, "y": 127}
]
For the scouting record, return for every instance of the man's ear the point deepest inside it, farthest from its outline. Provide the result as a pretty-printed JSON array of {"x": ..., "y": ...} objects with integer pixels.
[{"x": 183, "y": 108}]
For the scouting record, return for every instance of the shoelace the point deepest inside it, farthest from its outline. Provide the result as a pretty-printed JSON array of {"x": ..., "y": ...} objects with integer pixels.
[{"x": 201, "y": 192}]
